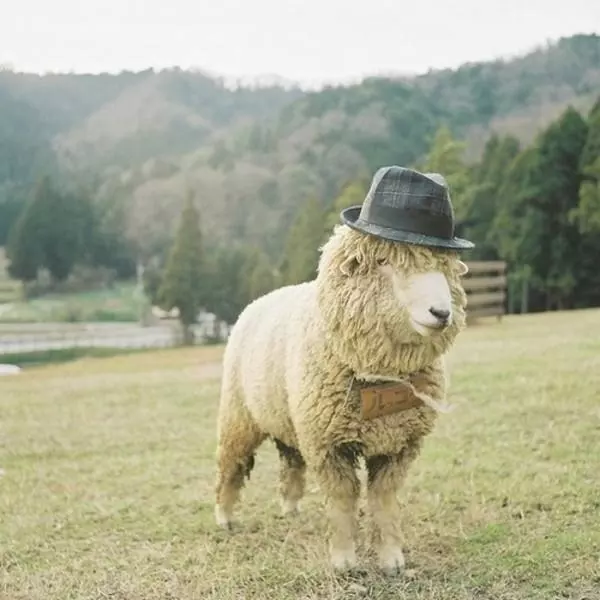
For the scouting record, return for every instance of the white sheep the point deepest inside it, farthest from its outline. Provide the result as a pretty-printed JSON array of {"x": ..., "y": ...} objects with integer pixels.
[{"x": 386, "y": 305}]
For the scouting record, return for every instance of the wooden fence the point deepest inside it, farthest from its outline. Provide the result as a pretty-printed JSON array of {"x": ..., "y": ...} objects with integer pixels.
[{"x": 485, "y": 284}]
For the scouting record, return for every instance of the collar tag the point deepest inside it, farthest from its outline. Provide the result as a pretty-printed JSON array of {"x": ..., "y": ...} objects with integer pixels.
[{"x": 385, "y": 399}]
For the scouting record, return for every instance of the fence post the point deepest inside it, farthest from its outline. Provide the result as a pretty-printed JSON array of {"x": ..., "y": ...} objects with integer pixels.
[{"x": 485, "y": 285}]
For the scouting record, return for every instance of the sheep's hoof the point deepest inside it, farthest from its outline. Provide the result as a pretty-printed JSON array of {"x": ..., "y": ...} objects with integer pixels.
[
  {"x": 391, "y": 560},
  {"x": 223, "y": 519},
  {"x": 343, "y": 560}
]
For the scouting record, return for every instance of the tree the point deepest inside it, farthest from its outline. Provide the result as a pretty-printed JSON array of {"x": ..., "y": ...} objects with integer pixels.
[
  {"x": 559, "y": 180},
  {"x": 23, "y": 249},
  {"x": 68, "y": 229},
  {"x": 532, "y": 226},
  {"x": 261, "y": 278},
  {"x": 587, "y": 212},
  {"x": 514, "y": 230},
  {"x": 484, "y": 194},
  {"x": 591, "y": 150},
  {"x": 183, "y": 285},
  {"x": 25, "y": 152},
  {"x": 109, "y": 246},
  {"x": 586, "y": 215},
  {"x": 226, "y": 270},
  {"x": 301, "y": 253},
  {"x": 53, "y": 232},
  {"x": 352, "y": 194},
  {"x": 237, "y": 276},
  {"x": 446, "y": 158}
]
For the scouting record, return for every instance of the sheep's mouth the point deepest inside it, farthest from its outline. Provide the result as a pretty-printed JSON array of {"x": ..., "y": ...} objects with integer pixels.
[{"x": 430, "y": 328}]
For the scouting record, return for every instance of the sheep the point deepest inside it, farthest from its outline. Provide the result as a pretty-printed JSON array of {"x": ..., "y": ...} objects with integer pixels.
[{"x": 304, "y": 362}]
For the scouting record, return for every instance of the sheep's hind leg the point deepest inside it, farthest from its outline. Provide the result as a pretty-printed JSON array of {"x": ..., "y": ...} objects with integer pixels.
[
  {"x": 291, "y": 477},
  {"x": 338, "y": 479},
  {"x": 239, "y": 437},
  {"x": 385, "y": 476}
]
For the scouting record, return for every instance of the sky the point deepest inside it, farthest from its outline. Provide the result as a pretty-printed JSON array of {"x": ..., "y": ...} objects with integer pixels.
[{"x": 310, "y": 41}]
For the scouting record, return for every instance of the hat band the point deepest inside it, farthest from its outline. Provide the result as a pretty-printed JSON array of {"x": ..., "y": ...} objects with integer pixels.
[{"x": 414, "y": 221}]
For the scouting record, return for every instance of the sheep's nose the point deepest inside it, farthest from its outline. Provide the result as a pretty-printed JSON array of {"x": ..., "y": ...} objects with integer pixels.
[{"x": 440, "y": 314}]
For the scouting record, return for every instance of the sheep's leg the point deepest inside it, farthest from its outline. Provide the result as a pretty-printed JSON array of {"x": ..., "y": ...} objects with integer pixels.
[
  {"x": 338, "y": 479},
  {"x": 239, "y": 437},
  {"x": 385, "y": 476},
  {"x": 291, "y": 477}
]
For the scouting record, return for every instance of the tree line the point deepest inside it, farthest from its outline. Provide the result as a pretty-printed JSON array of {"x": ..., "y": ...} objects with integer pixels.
[
  {"x": 59, "y": 229},
  {"x": 536, "y": 206}
]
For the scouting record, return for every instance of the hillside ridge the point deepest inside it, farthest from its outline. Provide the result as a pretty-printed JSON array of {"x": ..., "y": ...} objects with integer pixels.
[{"x": 253, "y": 155}]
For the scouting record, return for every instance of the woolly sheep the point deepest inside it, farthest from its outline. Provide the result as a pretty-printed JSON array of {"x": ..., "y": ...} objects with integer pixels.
[{"x": 295, "y": 361}]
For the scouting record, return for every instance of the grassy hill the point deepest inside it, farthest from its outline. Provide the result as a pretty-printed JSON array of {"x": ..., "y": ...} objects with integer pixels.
[
  {"x": 108, "y": 475},
  {"x": 254, "y": 154}
]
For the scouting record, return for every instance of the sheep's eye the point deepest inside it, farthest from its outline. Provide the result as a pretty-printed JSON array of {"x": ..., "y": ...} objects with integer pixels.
[{"x": 382, "y": 261}]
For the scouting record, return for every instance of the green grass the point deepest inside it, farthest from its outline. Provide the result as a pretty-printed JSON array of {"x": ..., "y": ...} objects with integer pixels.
[
  {"x": 109, "y": 468},
  {"x": 10, "y": 291},
  {"x": 116, "y": 304},
  {"x": 63, "y": 355}
]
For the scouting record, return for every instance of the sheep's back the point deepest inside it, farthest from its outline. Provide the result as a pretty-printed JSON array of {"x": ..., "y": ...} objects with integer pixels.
[{"x": 264, "y": 355}]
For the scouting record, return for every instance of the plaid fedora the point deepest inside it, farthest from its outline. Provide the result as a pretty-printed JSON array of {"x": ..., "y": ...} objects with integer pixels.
[{"x": 403, "y": 205}]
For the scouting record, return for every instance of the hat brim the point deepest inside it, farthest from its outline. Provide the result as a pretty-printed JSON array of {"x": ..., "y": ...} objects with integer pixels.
[{"x": 349, "y": 216}]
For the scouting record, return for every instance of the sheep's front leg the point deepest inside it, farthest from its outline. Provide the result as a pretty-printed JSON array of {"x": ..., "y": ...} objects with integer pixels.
[
  {"x": 338, "y": 479},
  {"x": 291, "y": 477},
  {"x": 385, "y": 476}
]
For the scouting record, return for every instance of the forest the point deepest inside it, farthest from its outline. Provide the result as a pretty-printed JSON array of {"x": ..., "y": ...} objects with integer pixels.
[
  {"x": 535, "y": 206},
  {"x": 264, "y": 173}
]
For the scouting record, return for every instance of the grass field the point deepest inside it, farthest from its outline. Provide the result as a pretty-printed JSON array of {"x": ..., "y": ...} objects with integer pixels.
[
  {"x": 116, "y": 304},
  {"x": 107, "y": 485}
]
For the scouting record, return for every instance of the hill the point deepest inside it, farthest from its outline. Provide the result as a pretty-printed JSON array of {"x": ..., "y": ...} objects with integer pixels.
[{"x": 254, "y": 154}]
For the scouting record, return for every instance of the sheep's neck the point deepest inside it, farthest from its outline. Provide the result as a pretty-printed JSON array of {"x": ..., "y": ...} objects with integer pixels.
[{"x": 385, "y": 363}]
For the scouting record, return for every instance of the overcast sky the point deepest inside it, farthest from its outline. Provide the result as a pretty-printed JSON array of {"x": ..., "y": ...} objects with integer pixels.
[{"x": 310, "y": 41}]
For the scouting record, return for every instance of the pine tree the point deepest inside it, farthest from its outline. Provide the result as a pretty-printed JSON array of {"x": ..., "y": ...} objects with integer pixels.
[
  {"x": 109, "y": 246},
  {"x": 301, "y": 252},
  {"x": 446, "y": 157},
  {"x": 53, "y": 232},
  {"x": 514, "y": 230},
  {"x": 352, "y": 194},
  {"x": 484, "y": 194},
  {"x": 587, "y": 216},
  {"x": 183, "y": 285},
  {"x": 559, "y": 181},
  {"x": 532, "y": 226},
  {"x": 591, "y": 150},
  {"x": 226, "y": 286},
  {"x": 23, "y": 248},
  {"x": 261, "y": 278},
  {"x": 68, "y": 229},
  {"x": 587, "y": 212}
]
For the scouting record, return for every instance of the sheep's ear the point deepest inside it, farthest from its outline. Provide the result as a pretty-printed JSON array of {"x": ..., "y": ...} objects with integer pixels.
[
  {"x": 349, "y": 265},
  {"x": 463, "y": 268}
]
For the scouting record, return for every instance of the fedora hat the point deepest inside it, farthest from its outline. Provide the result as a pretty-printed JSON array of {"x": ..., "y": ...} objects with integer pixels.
[{"x": 403, "y": 205}]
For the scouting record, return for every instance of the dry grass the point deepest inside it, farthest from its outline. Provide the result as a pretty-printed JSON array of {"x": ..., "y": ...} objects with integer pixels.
[{"x": 108, "y": 479}]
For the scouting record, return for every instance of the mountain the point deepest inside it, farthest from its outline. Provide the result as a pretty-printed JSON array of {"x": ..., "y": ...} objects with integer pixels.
[{"x": 254, "y": 153}]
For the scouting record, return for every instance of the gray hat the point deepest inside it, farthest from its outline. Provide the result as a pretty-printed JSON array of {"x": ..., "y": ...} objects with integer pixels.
[{"x": 404, "y": 205}]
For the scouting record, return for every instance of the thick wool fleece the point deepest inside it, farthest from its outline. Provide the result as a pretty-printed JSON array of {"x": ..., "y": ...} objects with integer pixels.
[{"x": 288, "y": 367}]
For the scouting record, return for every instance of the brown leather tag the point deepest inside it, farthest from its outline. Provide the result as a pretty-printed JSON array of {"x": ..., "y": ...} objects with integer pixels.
[{"x": 386, "y": 399}]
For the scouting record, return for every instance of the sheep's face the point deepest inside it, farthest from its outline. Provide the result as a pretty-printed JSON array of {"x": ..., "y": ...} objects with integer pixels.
[
  {"x": 425, "y": 296},
  {"x": 382, "y": 300}
]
